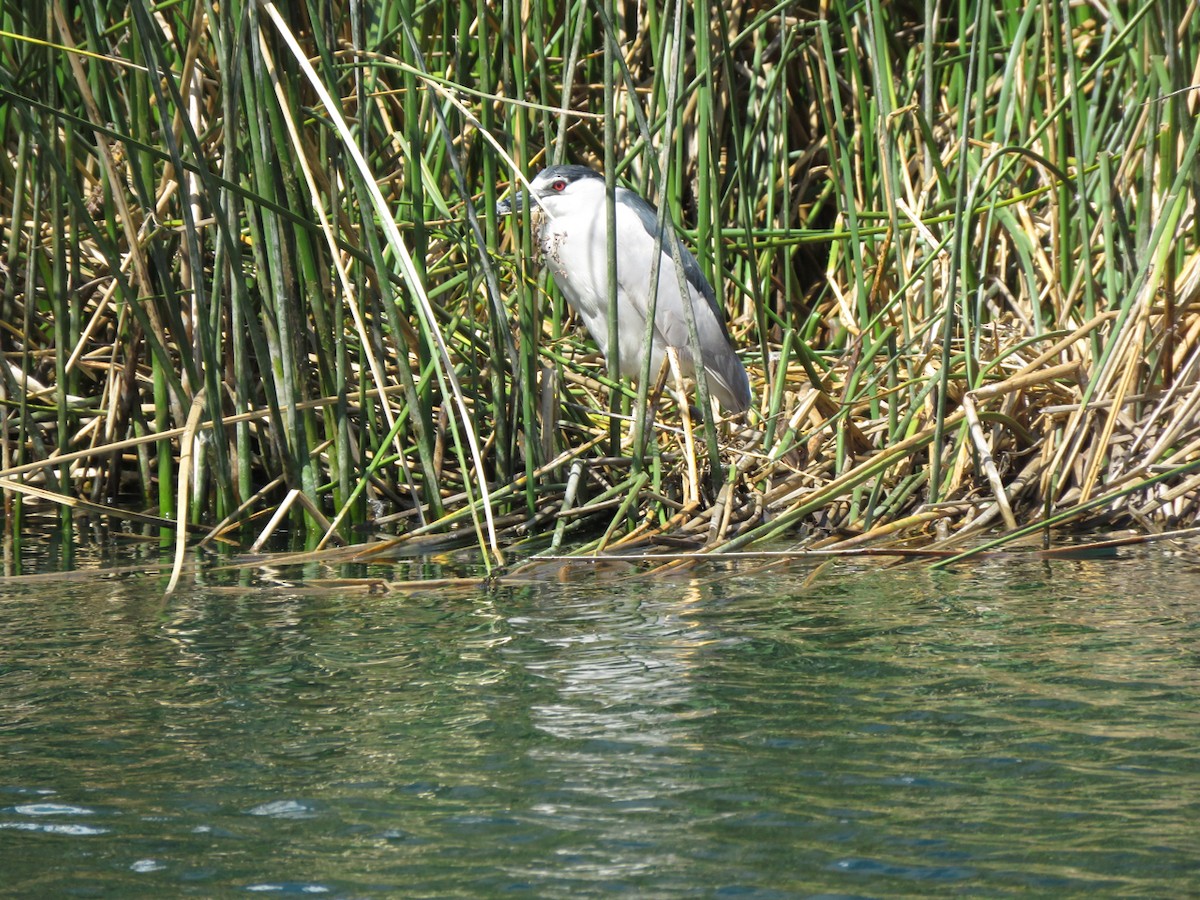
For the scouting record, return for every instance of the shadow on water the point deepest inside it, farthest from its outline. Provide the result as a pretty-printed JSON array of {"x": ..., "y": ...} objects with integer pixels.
[{"x": 1009, "y": 729}]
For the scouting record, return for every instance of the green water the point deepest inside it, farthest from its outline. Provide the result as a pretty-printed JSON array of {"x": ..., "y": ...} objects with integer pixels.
[{"x": 1015, "y": 729}]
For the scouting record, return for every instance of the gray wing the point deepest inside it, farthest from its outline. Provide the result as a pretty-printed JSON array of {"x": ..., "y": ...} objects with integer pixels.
[
  {"x": 648, "y": 216},
  {"x": 727, "y": 375}
]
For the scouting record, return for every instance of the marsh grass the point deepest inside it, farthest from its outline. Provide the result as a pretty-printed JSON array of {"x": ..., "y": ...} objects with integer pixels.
[{"x": 252, "y": 279}]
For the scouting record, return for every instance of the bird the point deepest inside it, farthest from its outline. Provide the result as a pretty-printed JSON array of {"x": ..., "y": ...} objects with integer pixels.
[{"x": 573, "y": 238}]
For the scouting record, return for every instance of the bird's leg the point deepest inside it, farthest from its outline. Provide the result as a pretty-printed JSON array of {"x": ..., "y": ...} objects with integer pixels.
[
  {"x": 665, "y": 370},
  {"x": 678, "y": 389},
  {"x": 671, "y": 361},
  {"x": 691, "y": 485},
  {"x": 653, "y": 396}
]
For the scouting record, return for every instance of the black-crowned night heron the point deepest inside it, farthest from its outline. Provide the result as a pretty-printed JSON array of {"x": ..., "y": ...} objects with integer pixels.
[{"x": 573, "y": 235}]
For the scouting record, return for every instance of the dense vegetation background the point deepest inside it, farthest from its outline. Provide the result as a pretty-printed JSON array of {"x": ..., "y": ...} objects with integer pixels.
[{"x": 250, "y": 264}]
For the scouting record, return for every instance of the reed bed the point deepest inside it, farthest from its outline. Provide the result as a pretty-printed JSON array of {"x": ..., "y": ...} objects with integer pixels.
[{"x": 252, "y": 280}]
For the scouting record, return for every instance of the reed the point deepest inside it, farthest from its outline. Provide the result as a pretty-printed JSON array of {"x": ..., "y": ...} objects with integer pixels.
[{"x": 251, "y": 270}]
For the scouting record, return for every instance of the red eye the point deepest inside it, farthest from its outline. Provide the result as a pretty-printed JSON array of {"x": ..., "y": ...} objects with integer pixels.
[{"x": 558, "y": 185}]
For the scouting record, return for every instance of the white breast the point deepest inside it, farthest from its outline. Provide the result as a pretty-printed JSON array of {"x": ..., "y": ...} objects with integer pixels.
[{"x": 575, "y": 249}]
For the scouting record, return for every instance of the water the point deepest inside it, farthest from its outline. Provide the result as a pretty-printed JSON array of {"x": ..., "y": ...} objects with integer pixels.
[{"x": 1017, "y": 728}]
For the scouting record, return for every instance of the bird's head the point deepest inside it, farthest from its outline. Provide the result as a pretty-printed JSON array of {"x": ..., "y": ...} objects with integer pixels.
[{"x": 558, "y": 190}]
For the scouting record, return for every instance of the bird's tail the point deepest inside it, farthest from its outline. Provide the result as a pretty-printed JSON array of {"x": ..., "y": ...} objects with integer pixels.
[{"x": 728, "y": 381}]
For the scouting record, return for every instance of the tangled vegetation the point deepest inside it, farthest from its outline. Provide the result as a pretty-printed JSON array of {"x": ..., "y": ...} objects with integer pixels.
[{"x": 251, "y": 274}]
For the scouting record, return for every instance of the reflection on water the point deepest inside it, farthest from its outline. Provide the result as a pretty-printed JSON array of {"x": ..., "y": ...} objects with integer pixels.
[{"x": 1008, "y": 729}]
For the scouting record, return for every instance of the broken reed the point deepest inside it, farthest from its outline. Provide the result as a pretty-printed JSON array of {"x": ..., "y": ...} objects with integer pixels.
[{"x": 960, "y": 254}]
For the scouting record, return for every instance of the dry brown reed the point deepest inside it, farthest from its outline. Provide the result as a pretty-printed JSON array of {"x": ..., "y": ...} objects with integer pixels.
[{"x": 961, "y": 255}]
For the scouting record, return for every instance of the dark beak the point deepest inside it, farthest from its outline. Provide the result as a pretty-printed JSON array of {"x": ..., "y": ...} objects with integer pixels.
[{"x": 515, "y": 204}]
